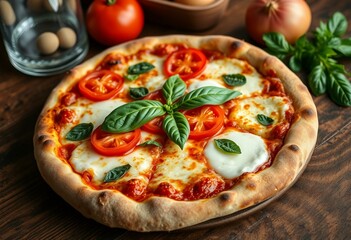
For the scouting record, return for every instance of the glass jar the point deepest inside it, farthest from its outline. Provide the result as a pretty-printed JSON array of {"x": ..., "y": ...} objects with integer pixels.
[{"x": 43, "y": 37}]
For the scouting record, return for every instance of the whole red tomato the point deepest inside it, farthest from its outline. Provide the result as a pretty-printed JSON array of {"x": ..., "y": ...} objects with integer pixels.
[{"x": 111, "y": 22}]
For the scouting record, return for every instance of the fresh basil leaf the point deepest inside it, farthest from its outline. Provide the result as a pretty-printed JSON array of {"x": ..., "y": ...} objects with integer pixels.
[
  {"x": 116, "y": 173},
  {"x": 177, "y": 128},
  {"x": 131, "y": 77},
  {"x": 150, "y": 142},
  {"x": 322, "y": 32},
  {"x": 337, "y": 25},
  {"x": 295, "y": 63},
  {"x": 138, "y": 93},
  {"x": 205, "y": 95},
  {"x": 140, "y": 68},
  {"x": 343, "y": 47},
  {"x": 80, "y": 132},
  {"x": 227, "y": 146},
  {"x": 173, "y": 89},
  {"x": 339, "y": 89},
  {"x": 277, "y": 44},
  {"x": 234, "y": 79},
  {"x": 264, "y": 120},
  {"x": 317, "y": 80},
  {"x": 132, "y": 115}
]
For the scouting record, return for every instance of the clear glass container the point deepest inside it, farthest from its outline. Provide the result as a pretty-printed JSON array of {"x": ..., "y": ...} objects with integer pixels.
[{"x": 43, "y": 37}]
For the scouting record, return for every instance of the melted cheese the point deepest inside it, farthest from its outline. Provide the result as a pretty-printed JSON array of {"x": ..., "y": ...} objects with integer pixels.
[
  {"x": 92, "y": 112},
  {"x": 177, "y": 167},
  {"x": 217, "y": 68},
  {"x": 245, "y": 111},
  {"x": 195, "y": 84},
  {"x": 84, "y": 158},
  {"x": 253, "y": 154}
]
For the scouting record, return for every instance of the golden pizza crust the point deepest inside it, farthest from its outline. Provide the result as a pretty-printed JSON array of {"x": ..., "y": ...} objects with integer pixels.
[{"x": 160, "y": 213}]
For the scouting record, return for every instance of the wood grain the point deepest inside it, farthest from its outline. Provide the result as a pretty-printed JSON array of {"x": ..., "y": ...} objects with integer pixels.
[{"x": 316, "y": 207}]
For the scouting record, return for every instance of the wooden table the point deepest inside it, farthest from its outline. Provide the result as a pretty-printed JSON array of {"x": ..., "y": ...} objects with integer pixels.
[{"x": 318, "y": 206}]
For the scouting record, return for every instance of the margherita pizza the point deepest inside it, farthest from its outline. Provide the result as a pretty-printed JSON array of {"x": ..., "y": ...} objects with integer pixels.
[{"x": 167, "y": 132}]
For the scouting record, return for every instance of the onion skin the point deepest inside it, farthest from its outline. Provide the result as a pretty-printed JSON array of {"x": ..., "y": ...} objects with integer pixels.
[{"x": 292, "y": 18}]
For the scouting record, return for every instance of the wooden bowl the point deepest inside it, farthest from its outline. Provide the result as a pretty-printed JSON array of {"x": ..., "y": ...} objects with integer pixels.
[{"x": 182, "y": 16}]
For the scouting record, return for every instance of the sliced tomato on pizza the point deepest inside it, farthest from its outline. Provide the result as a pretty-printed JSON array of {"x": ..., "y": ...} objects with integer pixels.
[
  {"x": 188, "y": 63},
  {"x": 101, "y": 85}
]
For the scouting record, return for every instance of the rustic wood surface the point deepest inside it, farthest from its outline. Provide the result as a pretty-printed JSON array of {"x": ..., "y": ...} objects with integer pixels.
[{"x": 318, "y": 206}]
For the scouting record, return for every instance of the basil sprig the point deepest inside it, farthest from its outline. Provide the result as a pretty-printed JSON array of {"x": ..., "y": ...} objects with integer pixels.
[
  {"x": 227, "y": 146},
  {"x": 135, "y": 114},
  {"x": 116, "y": 173},
  {"x": 80, "y": 132},
  {"x": 318, "y": 56}
]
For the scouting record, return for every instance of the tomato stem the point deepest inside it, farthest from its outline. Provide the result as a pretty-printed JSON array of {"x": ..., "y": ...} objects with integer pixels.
[{"x": 110, "y": 2}]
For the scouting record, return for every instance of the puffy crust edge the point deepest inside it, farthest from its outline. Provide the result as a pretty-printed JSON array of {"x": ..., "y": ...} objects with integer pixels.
[{"x": 114, "y": 209}]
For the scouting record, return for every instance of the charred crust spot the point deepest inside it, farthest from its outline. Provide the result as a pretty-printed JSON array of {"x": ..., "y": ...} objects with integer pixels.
[
  {"x": 251, "y": 186},
  {"x": 224, "y": 197},
  {"x": 307, "y": 113},
  {"x": 47, "y": 143},
  {"x": 294, "y": 148},
  {"x": 236, "y": 45},
  {"x": 103, "y": 198},
  {"x": 41, "y": 138}
]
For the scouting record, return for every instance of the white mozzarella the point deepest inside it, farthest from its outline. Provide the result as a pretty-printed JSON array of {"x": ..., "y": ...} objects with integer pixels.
[
  {"x": 223, "y": 66},
  {"x": 155, "y": 83},
  {"x": 97, "y": 111},
  {"x": 85, "y": 158},
  {"x": 217, "y": 68},
  {"x": 253, "y": 154},
  {"x": 195, "y": 84},
  {"x": 94, "y": 113},
  {"x": 245, "y": 113}
]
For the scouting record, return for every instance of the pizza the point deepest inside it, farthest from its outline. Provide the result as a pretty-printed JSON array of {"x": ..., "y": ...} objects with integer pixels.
[{"x": 163, "y": 133}]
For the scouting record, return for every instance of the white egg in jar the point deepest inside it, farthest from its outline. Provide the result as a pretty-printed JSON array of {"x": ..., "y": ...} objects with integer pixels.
[
  {"x": 47, "y": 43},
  {"x": 7, "y": 14},
  {"x": 67, "y": 37}
]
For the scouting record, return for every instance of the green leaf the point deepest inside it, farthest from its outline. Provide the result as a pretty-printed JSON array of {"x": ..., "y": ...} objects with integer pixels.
[
  {"x": 132, "y": 115},
  {"x": 234, "y": 79},
  {"x": 264, "y": 120},
  {"x": 177, "y": 128},
  {"x": 227, "y": 146},
  {"x": 205, "y": 95},
  {"x": 343, "y": 47},
  {"x": 337, "y": 25},
  {"x": 277, "y": 44},
  {"x": 138, "y": 93},
  {"x": 295, "y": 64},
  {"x": 339, "y": 89},
  {"x": 173, "y": 89},
  {"x": 131, "y": 77},
  {"x": 116, "y": 173},
  {"x": 80, "y": 132},
  {"x": 150, "y": 143},
  {"x": 140, "y": 68},
  {"x": 317, "y": 80}
]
